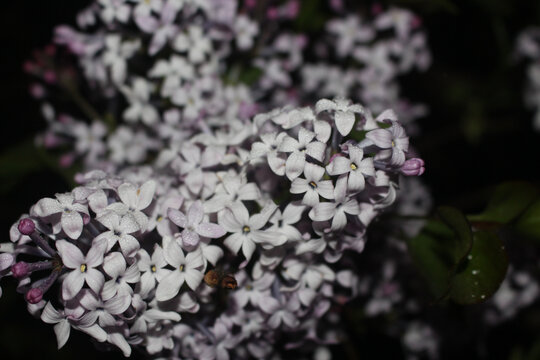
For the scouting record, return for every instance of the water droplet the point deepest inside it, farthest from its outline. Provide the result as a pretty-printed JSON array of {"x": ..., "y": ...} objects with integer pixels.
[
  {"x": 475, "y": 272},
  {"x": 469, "y": 257},
  {"x": 483, "y": 296}
]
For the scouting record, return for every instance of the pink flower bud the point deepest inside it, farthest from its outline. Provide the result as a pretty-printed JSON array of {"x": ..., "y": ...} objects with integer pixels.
[
  {"x": 413, "y": 167},
  {"x": 33, "y": 296},
  {"x": 20, "y": 269},
  {"x": 26, "y": 226}
]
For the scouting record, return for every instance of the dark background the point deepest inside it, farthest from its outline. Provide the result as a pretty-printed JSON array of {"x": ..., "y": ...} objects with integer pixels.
[{"x": 478, "y": 133}]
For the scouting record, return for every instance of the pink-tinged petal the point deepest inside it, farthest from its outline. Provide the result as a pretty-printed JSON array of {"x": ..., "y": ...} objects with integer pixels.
[
  {"x": 6, "y": 260},
  {"x": 177, "y": 217},
  {"x": 194, "y": 260},
  {"x": 140, "y": 221},
  {"x": 277, "y": 164},
  {"x": 190, "y": 238},
  {"x": 339, "y": 221},
  {"x": 114, "y": 265},
  {"x": 146, "y": 194},
  {"x": 210, "y": 230},
  {"x": 366, "y": 167},
  {"x": 268, "y": 237},
  {"x": 195, "y": 213},
  {"x": 355, "y": 154},
  {"x": 323, "y": 130},
  {"x": 344, "y": 122},
  {"x": 110, "y": 219},
  {"x": 306, "y": 296},
  {"x": 72, "y": 224},
  {"x": 402, "y": 143},
  {"x": 129, "y": 245},
  {"x": 313, "y": 172},
  {"x": 340, "y": 165},
  {"x": 380, "y": 137},
  {"x": 290, "y": 320},
  {"x": 259, "y": 220},
  {"x": 47, "y": 206},
  {"x": 129, "y": 224},
  {"x": 95, "y": 331},
  {"x": 229, "y": 222},
  {"x": 96, "y": 252},
  {"x": 305, "y": 136},
  {"x": 195, "y": 180},
  {"x": 311, "y": 198},
  {"x": 316, "y": 150},
  {"x": 98, "y": 201},
  {"x": 249, "y": 191},
  {"x": 71, "y": 255},
  {"x": 62, "y": 330},
  {"x": 294, "y": 166},
  {"x": 72, "y": 284},
  {"x": 351, "y": 207},
  {"x": 248, "y": 247},
  {"x": 325, "y": 188},
  {"x": 240, "y": 213},
  {"x": 289, "y": 144},
  {"x": 323, "y": 211},
  {"x": 169, "y": 286},
  {"x": 324, "y": 105},
  {"x": 269, "y": 304},
  {"x": 398, "y": 157},
  {"x": 356, "y": 181},
  {"x": 193, "y": 278},
  {"x": 293, "y": 213},
  {"x": 234, "y": 242},
  {"x": 50, "y": 315},
  {"x": 387, "y": 115},
  {"x": 212, "y": 253},
  {"x": 95, "y": 280},
  {"x": 174, "y": 255},
  {"x": 128, "y": 194},
  {"x": 299, "y": 186}
]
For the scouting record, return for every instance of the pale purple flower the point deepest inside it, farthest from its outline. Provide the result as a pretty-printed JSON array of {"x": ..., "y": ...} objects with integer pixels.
[
  {"x": 344, "y": 113},
  {"x": 120, "y": 228},
  {"x": 193, "y": 224},
  {"x": 299, "y": 149},
  {"x": 151, "y": 268},
  {"x": 186, "y": 269},
  {"x": 104, "y": 311},
  {"x": 245, "y": 30},
  {"x": 195, "y": 42},
  {"x": 121, "y": 276},
  {"x": 71, "y": 213},
  {"x": 283, "y": 222},
  {"x": 247, "y": 231},
  {"x": 338, "y": 210},
  {"x": 269, "y": 147},
  {"x": 134, "y": 200},
  {"x": 313, "y": 185},
  {"x": 83, "y": 267},
  {"x": 68, "y": 318},
  {"x": 354, "y": 168},
  {"x": 140, "y": 107},
  {"x": 394, "y": 142}
]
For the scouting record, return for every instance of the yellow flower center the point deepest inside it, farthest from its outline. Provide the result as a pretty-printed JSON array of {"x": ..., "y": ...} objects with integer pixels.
[
  {"x": 353, "y": 166},
  {"x": 153, "y": 268},
  {"x": 83, "y": 268},
  {"x": 246, "y": 229},
  {"x": 181, "y": 268}
]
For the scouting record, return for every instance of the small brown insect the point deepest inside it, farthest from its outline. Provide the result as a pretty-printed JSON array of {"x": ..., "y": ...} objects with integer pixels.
[{"x": 214, "y": 278}]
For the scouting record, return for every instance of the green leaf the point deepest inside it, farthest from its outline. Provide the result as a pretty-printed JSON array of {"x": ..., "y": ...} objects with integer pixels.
[
  {"x": 457, "y": 221},
  {"x": 432, "y": 254},
  {"x": 507, "y": 203},
  {"x": 482, "y": 273},
  {"x": 529, "y": 222}
]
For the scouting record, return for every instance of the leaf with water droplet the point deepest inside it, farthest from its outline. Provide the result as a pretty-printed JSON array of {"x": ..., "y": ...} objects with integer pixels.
[
  {"x": 479, "y": 278},
  {"x": 457, "y": 221}
]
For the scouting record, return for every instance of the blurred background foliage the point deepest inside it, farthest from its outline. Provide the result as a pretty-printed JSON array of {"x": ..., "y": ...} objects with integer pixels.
[{"x": 477, "y": 134}]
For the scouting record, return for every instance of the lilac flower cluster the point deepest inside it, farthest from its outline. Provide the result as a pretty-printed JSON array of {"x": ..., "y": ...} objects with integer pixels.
[
  {"x": 528, "y": 47},
  {"x": 218, "y": 214},
  {"x": 129, "y": 253},
  {"x": 179, "y": 66}
]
